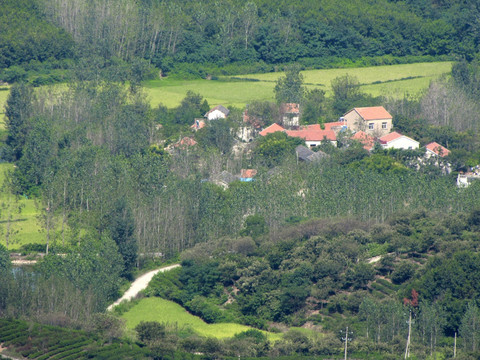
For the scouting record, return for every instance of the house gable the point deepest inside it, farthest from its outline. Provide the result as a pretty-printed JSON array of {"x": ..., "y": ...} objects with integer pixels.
[{"x": 373, "y": 120}]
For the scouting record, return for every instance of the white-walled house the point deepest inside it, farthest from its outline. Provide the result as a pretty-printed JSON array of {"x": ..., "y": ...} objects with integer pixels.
[
  {"x": 396, "y": 140},
  {"x": 290, "y": 114},
  {"x": 218, "y": 112}
]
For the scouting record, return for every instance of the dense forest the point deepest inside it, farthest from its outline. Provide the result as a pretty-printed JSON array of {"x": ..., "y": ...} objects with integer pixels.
[
  {"x": 382, "y": 243},
  {"x": 174, "y": 36}
]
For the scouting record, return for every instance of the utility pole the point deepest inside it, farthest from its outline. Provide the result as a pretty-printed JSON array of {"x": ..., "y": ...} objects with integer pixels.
[
  {"x": 455, "y": 346},
  {"x": 407, "y": 348},
  {"x": 347, "y": 338}
]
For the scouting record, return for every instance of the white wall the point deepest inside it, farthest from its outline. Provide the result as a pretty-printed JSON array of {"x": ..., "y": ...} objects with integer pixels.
[{"x": 402, "y": 143}]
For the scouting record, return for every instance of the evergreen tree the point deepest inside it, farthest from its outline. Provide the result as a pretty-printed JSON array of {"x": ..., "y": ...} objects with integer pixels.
[
  {"x": 18, "y": 110},
  {"x": 121, "y": 225}
]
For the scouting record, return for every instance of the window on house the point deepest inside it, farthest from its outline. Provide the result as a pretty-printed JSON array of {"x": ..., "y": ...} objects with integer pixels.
[
  {"x": 370, "y": 126},
  {"x": 384, "y": 125}
]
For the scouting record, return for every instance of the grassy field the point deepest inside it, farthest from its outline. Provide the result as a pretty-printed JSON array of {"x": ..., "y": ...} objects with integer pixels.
[
  {"x": 164, "y": 311},
  {"x": 392, "y": 80},
  {"x": 25, "y": 228}
]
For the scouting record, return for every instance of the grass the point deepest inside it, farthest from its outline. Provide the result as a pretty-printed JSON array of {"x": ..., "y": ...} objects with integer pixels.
[
  {"x": 165, "y": 311},
  {"x": 389, "y": 80},
  {"x": 25, "y": 228},
  {"x": 3, "y": 100}
]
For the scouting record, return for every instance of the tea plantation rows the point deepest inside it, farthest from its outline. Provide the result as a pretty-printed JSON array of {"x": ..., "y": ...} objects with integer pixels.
[{"x": 41, "y": 342}]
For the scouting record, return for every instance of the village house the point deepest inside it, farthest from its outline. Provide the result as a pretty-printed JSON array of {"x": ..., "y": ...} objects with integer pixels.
[
  {"x": 337, "y": 126},
  {"x": 290, "y": 113},
  {"x": 250, "y": 128},
  {"x": 198, "y": 124},
  {"x": 366, "y": 140},
  {"x": 396, "y": 140},
  {"x": 271, "y": 129},
  {"x": 246, "y": 175},
  {"x": 223, "y": 179},
  {"x": 465, "y": 179},
  {"x": 218, "y": 112},
  {"x": 313, "y": 135},
  {"x": 307, "y": 155},
  {"x": 435, "y": 149},
  {"x": 374, "y": 120}
]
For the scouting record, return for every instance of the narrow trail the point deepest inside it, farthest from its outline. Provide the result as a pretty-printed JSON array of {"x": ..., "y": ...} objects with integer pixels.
[{"x": 140, "y": 284}]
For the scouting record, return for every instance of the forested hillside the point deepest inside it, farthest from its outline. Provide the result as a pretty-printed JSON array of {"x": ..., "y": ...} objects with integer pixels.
[{"x": 220, "y": 33}]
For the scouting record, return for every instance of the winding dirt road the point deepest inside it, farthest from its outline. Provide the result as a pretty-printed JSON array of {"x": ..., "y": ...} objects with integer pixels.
[{"x": 140, "y": 284}]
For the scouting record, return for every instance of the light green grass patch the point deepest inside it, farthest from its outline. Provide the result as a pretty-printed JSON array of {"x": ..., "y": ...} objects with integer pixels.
[
  {"x": 229, "y": 93},
  {"x": 165, "y": 311},
  {"x": 25, "y": 228},
  {"x": 388, "y": 80},
  {"x": 3, "y": 101}
]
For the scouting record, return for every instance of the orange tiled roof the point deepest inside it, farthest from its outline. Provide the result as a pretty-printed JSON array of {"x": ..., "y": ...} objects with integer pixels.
[
  {"x": 291, "y": 108},
  {"x": 271, "y": 129},
  {"x": 389, "y": 137},
  {"x": 367, "y": 140},
  {"x": 438, "y": 149},
  {"x": 329, "y": 125},
  {"x": 312, "y": 133},
  {"x": 199, "y": 124},
  {"x": 373, "y": 113},
  {"x": 248, "y": 173},
  {"x": 186, "y": 141}
]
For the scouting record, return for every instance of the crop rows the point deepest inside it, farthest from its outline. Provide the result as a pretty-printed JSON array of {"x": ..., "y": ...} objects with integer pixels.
[{"x": 40, "y": 342}]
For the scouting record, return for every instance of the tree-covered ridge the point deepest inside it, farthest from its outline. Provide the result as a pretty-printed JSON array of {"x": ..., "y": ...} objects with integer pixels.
[
  {"x": 324, "y": 273},
  {"x": 26, "y": 35},
  {"x": 169, "y": 33}
]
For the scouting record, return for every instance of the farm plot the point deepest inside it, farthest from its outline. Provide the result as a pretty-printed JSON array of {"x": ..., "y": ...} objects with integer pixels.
[
  {"x": 165, "y": 311},
  {"x": 391, "y": 80}
]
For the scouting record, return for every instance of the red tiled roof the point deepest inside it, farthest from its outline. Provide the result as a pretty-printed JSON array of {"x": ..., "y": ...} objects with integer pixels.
[
  {"x": 271, "y": 129},
  {"x": 438, "y": 149},
  {"x": 248, "y": 173},
  {"x": 389, "y": 137},
  {"x": 186, "y": 141},
  {"x": 290, "y": 108},
  {"x": 329, "y": 125},
  {"x": 373, "y": 113},
  {"x": 312, "y": 133},
  {"x": 199, "y": 124},
  {"x": 367, "y": 140}
]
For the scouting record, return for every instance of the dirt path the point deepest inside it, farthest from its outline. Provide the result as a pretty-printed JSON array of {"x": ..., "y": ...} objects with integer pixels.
[{"x": 140, "y": 284}]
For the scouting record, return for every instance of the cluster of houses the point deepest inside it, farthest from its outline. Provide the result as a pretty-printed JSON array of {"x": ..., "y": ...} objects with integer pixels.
[
  {"x": 368, "y": 125},
  {"x": 371, "y": 126}
]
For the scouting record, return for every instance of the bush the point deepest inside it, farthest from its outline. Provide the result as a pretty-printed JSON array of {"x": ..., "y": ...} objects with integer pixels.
[
  {"x": 200, "y": 306},
  {"x": 403, "y": 272}
]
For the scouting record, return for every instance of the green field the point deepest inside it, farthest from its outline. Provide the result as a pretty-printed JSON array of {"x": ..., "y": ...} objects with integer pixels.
[
  {"x": 164, "y": 311},
  {"x": 391, "y": 80},
  {"x": 25, "y": 228}
]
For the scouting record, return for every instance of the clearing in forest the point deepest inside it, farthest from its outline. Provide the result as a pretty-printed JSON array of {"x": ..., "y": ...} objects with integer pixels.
[{"x": 24, "y": 228}]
